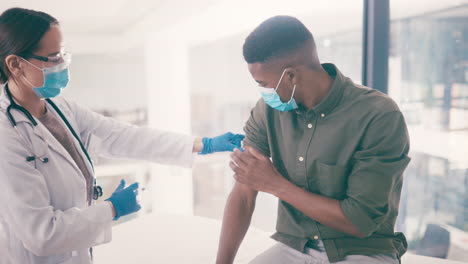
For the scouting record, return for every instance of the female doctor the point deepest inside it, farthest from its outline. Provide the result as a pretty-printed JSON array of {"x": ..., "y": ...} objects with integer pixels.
[{"x": 47, "y": 213}]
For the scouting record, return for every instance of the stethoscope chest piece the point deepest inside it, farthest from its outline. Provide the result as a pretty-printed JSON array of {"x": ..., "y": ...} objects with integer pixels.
[{"x": 97, "y": 192}]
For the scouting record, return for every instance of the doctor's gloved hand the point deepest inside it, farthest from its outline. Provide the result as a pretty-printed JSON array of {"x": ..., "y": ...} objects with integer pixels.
[
  {"x": 224, "y": 142},
  {"x": 124, "y": 199}
]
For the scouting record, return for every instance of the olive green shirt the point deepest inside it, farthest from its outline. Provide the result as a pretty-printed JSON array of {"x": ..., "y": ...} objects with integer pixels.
[{"x": 351, "y": 147}]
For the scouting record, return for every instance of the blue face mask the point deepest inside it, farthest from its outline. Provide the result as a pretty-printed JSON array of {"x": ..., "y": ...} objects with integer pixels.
[
  {"x": 55, "y": 80},
  {"x": 272, "y": 98}
]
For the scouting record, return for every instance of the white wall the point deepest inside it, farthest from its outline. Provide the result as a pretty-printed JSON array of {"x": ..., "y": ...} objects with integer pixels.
[
  {"x": 169, "y": 108},
  {"x": 114, "y": 81}
]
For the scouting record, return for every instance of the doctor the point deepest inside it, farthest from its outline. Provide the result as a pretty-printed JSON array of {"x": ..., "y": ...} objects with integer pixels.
[{"x": 47, "y": 213}]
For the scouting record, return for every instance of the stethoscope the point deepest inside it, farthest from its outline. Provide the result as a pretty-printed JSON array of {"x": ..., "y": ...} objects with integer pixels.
[{"x": 97, "y": 190}]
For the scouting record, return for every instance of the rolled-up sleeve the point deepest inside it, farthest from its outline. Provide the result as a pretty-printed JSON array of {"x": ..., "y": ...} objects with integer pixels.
[
  {"x": 256, "y": 131},
  {"x": 375, "y": 180}
]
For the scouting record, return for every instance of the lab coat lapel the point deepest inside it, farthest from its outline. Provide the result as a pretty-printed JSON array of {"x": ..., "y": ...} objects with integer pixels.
[
  {"x": 42, "y": 132},
  {"x": 67, "y": 113}
]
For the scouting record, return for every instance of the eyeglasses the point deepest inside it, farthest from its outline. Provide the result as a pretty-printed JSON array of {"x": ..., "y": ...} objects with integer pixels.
[{"x": 60, "y": 57}]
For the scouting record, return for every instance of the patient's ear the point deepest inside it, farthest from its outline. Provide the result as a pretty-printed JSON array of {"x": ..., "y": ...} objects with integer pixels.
[{"x": 255, "y": 153}]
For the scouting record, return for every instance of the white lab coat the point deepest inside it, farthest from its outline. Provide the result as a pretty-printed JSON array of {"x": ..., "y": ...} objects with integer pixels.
[{"x": 44, "y": 216}]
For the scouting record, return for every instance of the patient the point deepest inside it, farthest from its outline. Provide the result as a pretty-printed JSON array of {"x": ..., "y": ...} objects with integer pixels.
[{"x": 338, "y": 151}]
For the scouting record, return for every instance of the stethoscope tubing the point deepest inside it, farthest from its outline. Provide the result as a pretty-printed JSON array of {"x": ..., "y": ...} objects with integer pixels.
[{"x": 97, "y": 191}]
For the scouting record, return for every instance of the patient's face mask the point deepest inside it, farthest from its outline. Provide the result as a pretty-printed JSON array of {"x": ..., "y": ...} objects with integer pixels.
[
  {"x": 56, "y": 78},
  {"x": 272, "y": 98}
]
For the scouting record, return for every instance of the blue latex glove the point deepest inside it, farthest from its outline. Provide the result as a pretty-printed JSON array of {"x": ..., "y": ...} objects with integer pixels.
[
  {"x": 124, "y": 199},
  {"x": 225, "y": 142}
]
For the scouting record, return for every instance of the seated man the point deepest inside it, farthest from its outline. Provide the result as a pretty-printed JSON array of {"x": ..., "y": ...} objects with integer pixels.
[{"x": 338, "y": 151}]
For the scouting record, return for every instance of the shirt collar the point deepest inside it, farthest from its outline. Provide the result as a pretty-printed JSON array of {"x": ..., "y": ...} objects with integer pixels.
[
  {"x": 333, "y": 97},
  {"x": 4, "y": 101}
]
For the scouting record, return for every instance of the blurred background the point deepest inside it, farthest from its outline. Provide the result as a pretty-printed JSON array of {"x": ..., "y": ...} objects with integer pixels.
[{"x": 177, "y": 65}]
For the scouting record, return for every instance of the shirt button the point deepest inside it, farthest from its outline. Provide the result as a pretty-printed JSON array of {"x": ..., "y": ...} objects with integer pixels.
[
  {"x": 322, "y": 115},
  {"x": 309, "y": 125},
  {"x": 316, "y": 237},
  {"x": 301, "y": 159}
]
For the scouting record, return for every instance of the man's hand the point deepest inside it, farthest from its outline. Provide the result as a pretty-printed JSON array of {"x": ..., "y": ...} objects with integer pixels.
[{"x": 255, "y": 170}]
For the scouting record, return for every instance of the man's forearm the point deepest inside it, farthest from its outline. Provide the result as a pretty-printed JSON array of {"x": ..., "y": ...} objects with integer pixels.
[
  {"x": 322, "y": 209},
  {"x": 237, "y": 215},
  {"x": 256, "y": 171}
]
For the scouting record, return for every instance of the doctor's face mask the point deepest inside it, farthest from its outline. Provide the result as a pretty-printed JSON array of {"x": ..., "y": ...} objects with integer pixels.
[{"x": 55, "y": 78}]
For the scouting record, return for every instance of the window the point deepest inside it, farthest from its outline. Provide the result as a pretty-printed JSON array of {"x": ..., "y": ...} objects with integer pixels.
[{"x": 428, "y": 77}]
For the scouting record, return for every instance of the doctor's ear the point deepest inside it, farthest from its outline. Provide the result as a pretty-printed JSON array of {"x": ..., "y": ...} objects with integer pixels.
[{"x": 13, "y": 64}]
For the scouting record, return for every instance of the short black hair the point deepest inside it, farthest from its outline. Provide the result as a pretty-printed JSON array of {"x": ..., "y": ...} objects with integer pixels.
[
  {"x": 275, "y": 36},
  {"x": 21, "y": 30}
]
